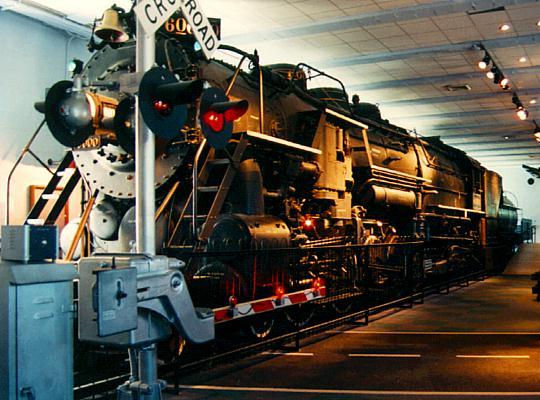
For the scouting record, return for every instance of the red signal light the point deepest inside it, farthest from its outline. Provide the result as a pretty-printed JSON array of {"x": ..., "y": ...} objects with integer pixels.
[
  {"x": 280, "y": 292},
  {"x": 162, "y": 107},
  {"x": 217, "y": 114},
  {"x": 236, "y": 111},
  {"x": 214, "y": 120},
  {"x": 318, "y": 283}
]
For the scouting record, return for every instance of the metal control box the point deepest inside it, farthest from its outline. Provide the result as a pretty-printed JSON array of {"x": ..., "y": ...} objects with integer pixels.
[
  {"x": 36, "y": 331},
  {"x": 27, "y": 243}
]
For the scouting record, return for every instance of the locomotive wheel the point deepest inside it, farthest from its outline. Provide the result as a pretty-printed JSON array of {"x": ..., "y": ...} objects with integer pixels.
[
  {"x": 299, "y": 316},
  {"x": 260, "y": 327},
  {"x": 342, "y": 306}
]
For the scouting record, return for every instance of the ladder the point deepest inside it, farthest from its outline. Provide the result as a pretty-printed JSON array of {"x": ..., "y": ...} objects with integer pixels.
[
  {"x": 213, "y": 183},
  {"x": 65, "y": 168}
]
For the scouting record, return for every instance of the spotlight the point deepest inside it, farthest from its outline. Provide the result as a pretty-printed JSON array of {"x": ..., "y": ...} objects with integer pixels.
[
  {"x": 504, "y": 27},
  {"x": 538, "y": 23},
  {"x": 522, "y": 59},
  {"x": 504, "y": 83},
  {"x": 533, "y": 101},
  {"x": 491, "y": 73},
  {"x": 497, "y": 77},
  {"x": 484, "y": 62},
  {"x": 536, "y": 130},
  {"x": 522, "y": 113}
]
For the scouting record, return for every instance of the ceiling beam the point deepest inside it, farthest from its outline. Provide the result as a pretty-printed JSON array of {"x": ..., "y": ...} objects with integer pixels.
[
  {"x": 489, "y": 133},
  {"x": 446, "y": 78},
  {"x": 411, "y": 13},
  {"x": 457, "y": 114},
  {"x": 488, "y": 154},
  {"x": 499, "y": 142},
  {"x": 490, "y": 124},
  {"x": 431, "y": 51},
  {"x": 518, "y": 158},
  {"x": 454, "y": 98}
]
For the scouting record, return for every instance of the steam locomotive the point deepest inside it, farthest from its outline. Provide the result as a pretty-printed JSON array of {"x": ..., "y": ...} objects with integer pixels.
[{"x": 260, "y": 162}]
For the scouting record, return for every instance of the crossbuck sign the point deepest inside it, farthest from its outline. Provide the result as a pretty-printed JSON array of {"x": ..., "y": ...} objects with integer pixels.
[{"x": 153, "y": 13}]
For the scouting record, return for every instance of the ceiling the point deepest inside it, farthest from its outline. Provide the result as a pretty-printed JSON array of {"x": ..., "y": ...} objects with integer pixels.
[{"x": 398, "y": 53}]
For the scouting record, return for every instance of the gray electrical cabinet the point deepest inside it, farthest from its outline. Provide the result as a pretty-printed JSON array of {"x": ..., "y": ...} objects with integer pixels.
[{"x": 36, "y": 331}]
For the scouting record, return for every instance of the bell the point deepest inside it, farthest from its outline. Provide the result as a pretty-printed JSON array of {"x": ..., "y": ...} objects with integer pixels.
[{"x": 110, "y": 29}]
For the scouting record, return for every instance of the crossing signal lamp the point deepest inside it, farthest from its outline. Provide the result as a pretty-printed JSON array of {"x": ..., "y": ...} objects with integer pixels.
[
  {"x": 124, "y": 124},
  {"x": 217, "y": 114},
  {"x": 163, "y": 101}
]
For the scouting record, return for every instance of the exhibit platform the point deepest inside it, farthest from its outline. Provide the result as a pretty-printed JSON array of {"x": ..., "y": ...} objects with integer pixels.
[{"x": 479, "y": 341}]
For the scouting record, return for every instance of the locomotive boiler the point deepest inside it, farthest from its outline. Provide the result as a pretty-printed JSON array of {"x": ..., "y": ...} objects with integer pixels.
[{"x": 254, "y": 164}]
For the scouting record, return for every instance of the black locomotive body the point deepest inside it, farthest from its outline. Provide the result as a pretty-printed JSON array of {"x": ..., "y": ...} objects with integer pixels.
[{"x": 303, "y": 169}]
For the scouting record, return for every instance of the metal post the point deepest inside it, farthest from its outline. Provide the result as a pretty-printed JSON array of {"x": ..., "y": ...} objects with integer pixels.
[
  {"x": 150, "y": 388},
  {"x": 145, "y": 230},
  {"x": 194, "y": 194},
  {"x": 145, "y": 207}
]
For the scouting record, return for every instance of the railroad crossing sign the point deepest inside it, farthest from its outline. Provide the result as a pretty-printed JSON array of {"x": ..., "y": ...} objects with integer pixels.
[{"x": 152, "y": 14}]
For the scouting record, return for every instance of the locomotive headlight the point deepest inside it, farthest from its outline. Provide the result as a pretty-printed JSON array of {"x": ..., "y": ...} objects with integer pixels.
[
  {"x": 91, "y": 104},
  {"x": 75, "y": 110}
]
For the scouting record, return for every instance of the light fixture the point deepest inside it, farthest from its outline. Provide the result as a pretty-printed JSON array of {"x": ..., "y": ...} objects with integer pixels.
[
  {"x": 75, "y": 66},
  {"x": 506, "y": 137},
  {"x": 491, "y": 73},
  {"x": 522, "y": 59},
  {"x": 497, "y": 77},
  {"x": 538, "y": 23},
  {"x": 522, "y": 113},
  {"x": 532, "y": 101},
  {"x": 484, "y": 62},
  {"x": 536, "y": 130},
  {"x": 504, "y": 81},
  {"x": 504, "y": 27}
]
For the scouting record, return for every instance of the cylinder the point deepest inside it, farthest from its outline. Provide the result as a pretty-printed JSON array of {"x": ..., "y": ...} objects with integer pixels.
[
  {"x": 394, "y": 199},
  {"x": 249, "y": 232}
]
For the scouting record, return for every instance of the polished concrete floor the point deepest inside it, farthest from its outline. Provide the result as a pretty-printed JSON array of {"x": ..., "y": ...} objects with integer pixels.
[{"x": 481, "y": 341}]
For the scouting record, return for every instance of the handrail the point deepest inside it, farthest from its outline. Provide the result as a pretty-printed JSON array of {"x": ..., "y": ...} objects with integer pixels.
[
  {"x": 26, "y": 149},
  {"x": 254, "y": 58}
]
